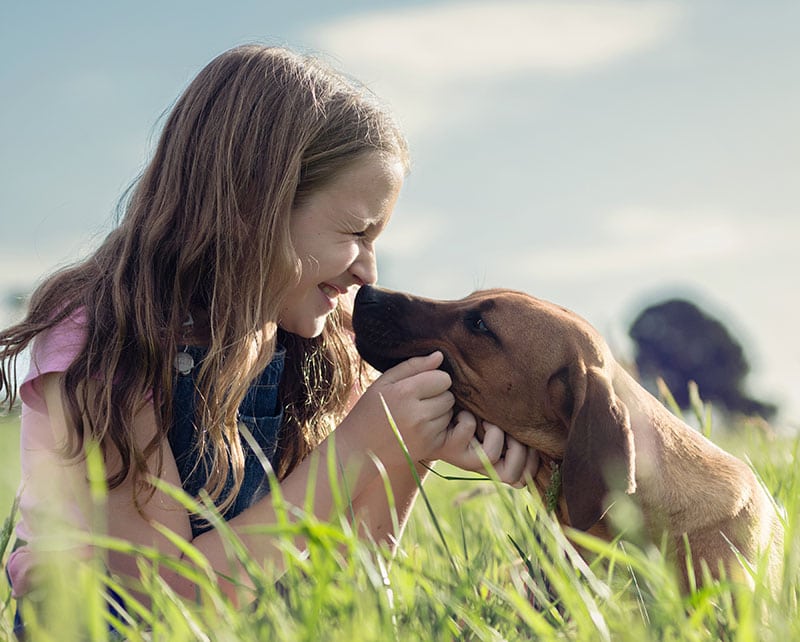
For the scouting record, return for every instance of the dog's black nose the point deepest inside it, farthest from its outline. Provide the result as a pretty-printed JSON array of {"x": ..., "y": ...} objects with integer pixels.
[
  {"x": 365, "y": 294},
  {"x": 368, "y": 295}
]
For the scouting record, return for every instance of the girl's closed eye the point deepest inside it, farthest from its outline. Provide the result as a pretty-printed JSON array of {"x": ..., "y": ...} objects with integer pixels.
[
  {"x": 368, "y": 232},
  {"x": 363, "y": 227}
]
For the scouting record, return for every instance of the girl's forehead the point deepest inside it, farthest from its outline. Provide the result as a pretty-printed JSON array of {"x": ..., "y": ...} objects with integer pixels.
[
  {"x": 360, "y": 197},
  {"x": 372, "y": 181}
]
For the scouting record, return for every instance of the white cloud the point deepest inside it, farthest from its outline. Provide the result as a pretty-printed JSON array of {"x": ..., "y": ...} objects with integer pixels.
[
  {"x": 425, "y": 60},
  {"x": 645, "y": 240},
  {"x": 413, "y": 234},
  {"x": 452, "y": 41}
]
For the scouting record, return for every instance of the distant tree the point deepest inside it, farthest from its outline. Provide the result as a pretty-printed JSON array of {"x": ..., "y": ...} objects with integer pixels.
[
  {"x": 15, "y": 300},
  {"x": 678, "y": 342}
]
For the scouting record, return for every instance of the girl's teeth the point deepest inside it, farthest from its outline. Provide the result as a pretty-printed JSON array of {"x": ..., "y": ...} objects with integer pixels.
[{"x": 329, "y": 291}]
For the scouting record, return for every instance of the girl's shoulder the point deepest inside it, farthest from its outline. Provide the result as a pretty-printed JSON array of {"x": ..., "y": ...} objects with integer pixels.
[{"x": 53, "y": 350}]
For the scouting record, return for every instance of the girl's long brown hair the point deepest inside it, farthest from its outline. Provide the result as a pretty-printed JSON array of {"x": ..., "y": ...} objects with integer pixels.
[{"x": 206, "y": 227}]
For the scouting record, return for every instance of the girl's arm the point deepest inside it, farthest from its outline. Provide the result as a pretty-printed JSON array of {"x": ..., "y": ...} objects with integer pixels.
[
  {"x": 421, "y": 405},
  {"x": 418, "y": 396},
  {"x": 416, "y": 388},
  {"x": 513, "y": 463}
]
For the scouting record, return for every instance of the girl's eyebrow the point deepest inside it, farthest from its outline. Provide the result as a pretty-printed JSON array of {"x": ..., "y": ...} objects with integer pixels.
[
  {"x": 376, "y": 223},
  {"x": 366, "y": 221},
  {"x": 373, "y": 222}
]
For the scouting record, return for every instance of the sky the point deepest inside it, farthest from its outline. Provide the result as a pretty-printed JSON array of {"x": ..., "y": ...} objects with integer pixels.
[{"x": 603, "y": 155}]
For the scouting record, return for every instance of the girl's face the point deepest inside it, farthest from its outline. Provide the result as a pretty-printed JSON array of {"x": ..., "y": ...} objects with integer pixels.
[{"x": 333, "y": 233}]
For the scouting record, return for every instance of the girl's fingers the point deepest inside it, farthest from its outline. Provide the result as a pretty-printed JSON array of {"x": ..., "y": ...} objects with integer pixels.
[
  {"x": 493, "y": 442},
  {"x": 413, "y": 366},
  {"x": 531, "y": 465},
  {"x": 463, "y": 430},
  {"x": 438, "y": 405},
  {"x": 512, "y": 466},
  {"x": 418, "y": 377},
  {"x": 513, "y": 462},
  {"x": 459, "y": 442}
]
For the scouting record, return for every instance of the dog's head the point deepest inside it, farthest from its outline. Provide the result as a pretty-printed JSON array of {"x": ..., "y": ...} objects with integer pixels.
[{"x": 535, "y": 369}]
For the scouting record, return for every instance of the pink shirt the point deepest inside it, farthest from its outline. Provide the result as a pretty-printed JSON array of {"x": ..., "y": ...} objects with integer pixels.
[{"x": 52, "y": 351}]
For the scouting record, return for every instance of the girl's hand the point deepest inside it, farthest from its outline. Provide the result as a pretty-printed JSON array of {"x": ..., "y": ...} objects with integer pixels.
[
  {"x": 513, "y": 462},
  {"x": 420, "y": 403}
]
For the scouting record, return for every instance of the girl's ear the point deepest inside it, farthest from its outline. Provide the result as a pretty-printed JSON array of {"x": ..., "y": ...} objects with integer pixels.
[{"x": 599, "y": 455}]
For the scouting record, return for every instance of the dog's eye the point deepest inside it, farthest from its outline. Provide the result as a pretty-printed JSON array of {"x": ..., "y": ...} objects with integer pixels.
[{"x": 476, "y": 323}]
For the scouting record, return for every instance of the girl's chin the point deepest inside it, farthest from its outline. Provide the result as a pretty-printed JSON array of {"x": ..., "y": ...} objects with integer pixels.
[
  {"x": 306, "y": 317},
  {"x": 308, "y": 330}
]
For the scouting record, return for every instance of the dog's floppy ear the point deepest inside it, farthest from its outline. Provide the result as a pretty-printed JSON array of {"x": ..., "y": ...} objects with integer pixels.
[{"x": 599, "y": 453}]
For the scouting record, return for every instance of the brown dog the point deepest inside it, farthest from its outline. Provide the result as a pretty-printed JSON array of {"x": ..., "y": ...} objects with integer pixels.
[{"x": 548, "y": 378}]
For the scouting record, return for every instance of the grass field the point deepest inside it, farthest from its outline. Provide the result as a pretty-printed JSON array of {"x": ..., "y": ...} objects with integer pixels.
[
  {"x": 9, "y": 456},
  {"x": 478, "y": 561}
]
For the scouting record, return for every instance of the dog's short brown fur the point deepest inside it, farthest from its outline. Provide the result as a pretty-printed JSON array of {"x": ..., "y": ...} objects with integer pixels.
[{"x": 548, "y": 378}]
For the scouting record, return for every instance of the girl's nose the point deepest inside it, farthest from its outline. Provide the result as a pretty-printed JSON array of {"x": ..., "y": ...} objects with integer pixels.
[{"x": 365, "y": 267}]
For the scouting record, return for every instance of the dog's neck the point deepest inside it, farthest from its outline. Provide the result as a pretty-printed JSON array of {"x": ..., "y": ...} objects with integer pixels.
[{"x": 677, "y": 469}]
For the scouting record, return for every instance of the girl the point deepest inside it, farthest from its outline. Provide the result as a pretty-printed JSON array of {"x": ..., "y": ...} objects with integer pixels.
[{"x": 220, "y": 301}]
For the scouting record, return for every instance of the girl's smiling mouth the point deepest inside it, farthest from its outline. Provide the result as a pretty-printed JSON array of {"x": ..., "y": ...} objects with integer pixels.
[{"x": 331, "y": 292}]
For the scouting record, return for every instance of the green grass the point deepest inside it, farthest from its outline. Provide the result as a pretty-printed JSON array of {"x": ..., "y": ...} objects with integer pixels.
[
  {"x": 480, "y": 561},
  {"x": 9, "y": 461}
]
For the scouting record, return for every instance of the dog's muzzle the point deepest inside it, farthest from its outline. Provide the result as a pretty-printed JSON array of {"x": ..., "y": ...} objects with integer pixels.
[
  {"x": 384, "y": 324},
  {"x": 379, "y": 336}
]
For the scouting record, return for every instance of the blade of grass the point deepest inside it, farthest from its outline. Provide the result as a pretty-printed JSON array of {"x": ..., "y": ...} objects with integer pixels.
[
  {"x": 418, "y": 481},
  {"x": 667, "y": 398},
  {"x": 387, "y": 487},
  {"x": 702, "y": 411},
  {"x": 8, "y": 527},
  {"x": 456, "y": 477}
]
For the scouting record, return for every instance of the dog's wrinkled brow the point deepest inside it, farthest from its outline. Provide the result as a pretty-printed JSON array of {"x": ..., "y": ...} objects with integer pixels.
[{"x": 486, "y": 305}]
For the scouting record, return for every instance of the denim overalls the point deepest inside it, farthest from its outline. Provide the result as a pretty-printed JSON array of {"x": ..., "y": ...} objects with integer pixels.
[{"x": 260, "y": 411}]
